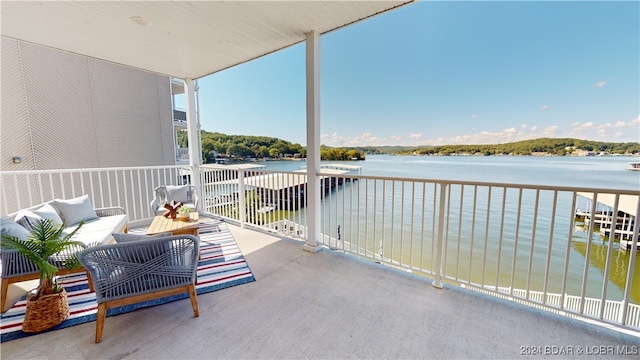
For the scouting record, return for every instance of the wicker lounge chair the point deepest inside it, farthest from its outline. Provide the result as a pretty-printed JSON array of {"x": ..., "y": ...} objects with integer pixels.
[
  {"x": 141, "y": 270},
  {"x": 179, "y": 193}
]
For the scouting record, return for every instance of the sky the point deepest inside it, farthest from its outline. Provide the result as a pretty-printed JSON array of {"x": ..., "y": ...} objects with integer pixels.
[{"x": 438, "y": 73}]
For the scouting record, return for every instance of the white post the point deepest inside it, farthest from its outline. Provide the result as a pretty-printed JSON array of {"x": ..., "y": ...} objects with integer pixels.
[
  {"x": 242, "y": 203},
  {"x": 195, "y": 147},
  {"x": 437, "y": 283},
  {"x": 313, "y": 142}
]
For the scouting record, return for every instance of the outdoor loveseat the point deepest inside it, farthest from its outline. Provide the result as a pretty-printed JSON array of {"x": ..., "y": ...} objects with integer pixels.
[{"x": 97, "y": 229}]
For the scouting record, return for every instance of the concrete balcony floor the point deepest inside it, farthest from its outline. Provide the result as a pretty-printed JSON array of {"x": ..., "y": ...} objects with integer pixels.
[{"x": 325, "y": 305}]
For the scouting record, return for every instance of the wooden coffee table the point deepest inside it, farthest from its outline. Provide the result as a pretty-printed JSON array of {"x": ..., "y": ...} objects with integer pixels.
[{"x": 176, "y": 226}]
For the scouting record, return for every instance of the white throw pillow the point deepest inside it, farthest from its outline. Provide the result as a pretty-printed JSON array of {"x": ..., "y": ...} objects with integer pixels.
[
  {"x": 177, "y": 193},
  {"x": 11, "y": 228},
  {"x": 49, "y": 212},
  {"x": 75, "y": 210}
]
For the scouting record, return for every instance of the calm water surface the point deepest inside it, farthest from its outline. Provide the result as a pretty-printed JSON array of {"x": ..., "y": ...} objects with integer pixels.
[
  {"x": 591, "y": 172},
  {"x": 606, "y": 172}
]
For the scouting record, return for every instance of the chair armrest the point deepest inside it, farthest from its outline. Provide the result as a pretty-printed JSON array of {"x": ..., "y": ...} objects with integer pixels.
[
  {"x": 15, "y": 264},
  {"x": 140, "y": 267},
  {"x": 155, "y": 204},
  {"x": 195, "y": 200},
  {"x": 110, "y": 211}
]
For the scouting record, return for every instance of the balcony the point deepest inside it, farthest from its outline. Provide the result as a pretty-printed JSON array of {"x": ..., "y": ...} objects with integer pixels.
[
  {"x": 180, "y": 119},
  {"x": 500, "y": 251},
  {"x": 328, "y": 305}
]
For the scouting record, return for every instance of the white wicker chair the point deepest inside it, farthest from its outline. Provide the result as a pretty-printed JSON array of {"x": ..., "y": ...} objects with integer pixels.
[
  {"x": 137, "y": 271},
  {"x": 165, "y": 194}
]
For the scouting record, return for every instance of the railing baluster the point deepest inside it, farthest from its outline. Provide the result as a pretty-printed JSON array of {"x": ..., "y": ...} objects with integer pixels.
[
  {"x": 447, "y": 221},
  {"x": 423, "y": 216},
  {"x": 607, "y": 266},
  {"x": 549, "y": 248},
  {"x": 473, "y": 231},
  {"x": 438, "y": 264},
  {"x": 629, "y": 281},
  {"x": 515, "y": 243},
  {"x": 587, "y": 257},
  {"x": 501, "y": 236},
  {"x": 459, "y": 237},
  {"x": 486, "y": 236},
  {"x": 533, "y": 242},
  {"x": 413, "y": 209}
]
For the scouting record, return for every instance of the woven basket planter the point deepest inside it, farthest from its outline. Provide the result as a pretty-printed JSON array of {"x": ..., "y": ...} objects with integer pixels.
[{"x": 46, "y": 312}]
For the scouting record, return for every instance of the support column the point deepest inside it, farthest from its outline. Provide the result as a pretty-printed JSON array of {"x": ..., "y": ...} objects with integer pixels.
[
  {"x": 313, "y": 142},
  {"x": 193, "y": 134}
]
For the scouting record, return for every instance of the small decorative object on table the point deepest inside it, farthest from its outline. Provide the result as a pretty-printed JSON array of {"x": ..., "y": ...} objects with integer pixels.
[
  {"x": 172, "y": 209},
  {"x": 184, "y": 213}
]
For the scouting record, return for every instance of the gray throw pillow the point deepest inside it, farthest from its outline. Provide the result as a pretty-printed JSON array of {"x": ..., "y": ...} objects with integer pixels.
[
  {"x": 11, "y": 228},
  {"x": 75, "y": 210},
  {"x": 49, "y": 212},
  {"x": 177, "y": 194},
  {"x": 126, "y": 237},
  {"x": 138, "y": 255}
]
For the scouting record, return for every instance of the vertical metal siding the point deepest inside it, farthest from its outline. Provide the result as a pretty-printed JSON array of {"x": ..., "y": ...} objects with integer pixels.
[
  {"x": 61, "y": 110},
  {"x": 59, "y": 104},
  {"x": 126, "y": 109},
  {"x": 165, "y": 118},
  {"x": 14, "y": 127}
]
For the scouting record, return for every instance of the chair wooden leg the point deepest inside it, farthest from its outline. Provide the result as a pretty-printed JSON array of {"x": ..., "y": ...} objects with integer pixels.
[
  {"x": 5, "y": 289},
  {"x": 100, "y": 316},
  {"x": 91, "y": 289},
  {"x": 194, "y": 300}
]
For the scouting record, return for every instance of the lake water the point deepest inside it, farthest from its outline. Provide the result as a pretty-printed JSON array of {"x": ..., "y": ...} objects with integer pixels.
[
  {"x": 606, "y": 172},
  {"x": 591, "y": 172}
]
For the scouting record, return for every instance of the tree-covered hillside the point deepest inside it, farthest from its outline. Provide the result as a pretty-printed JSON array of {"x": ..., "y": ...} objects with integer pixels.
[
  {"x": 246, "y": 146},
  {"x": 528, "y": 147}
]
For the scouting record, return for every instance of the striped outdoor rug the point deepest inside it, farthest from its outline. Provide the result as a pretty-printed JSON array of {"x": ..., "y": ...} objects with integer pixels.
[{"x": 221, "y": 265}]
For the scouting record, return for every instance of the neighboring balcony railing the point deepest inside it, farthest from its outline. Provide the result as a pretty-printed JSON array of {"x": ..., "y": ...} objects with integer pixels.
[
  {"x": 519, "y": 242},
  {"x": 179, "y": 115}
]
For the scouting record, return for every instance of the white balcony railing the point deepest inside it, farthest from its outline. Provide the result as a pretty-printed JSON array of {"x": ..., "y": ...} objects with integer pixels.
[{"x": 519, "y": 242}]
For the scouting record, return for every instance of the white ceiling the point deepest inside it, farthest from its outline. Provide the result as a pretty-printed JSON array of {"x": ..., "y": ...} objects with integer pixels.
[{"x": 183, "y": 39}]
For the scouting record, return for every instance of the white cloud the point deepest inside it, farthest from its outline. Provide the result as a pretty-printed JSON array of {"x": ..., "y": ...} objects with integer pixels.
[
  {"x": 484, "y": 137},
  {"x": 366, "y": 139},
  {"x": 473, "y": 116},
  {"x": 613, "y": 131},
  {"x": 600, "y": 84},
  {"x": 549, "y": 131},
  {"x": 545, "y": 107},
  {"x": 618, "y": 131}
]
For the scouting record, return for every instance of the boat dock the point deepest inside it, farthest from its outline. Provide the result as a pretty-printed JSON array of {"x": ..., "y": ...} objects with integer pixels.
[{"x": 603, "y": 218}]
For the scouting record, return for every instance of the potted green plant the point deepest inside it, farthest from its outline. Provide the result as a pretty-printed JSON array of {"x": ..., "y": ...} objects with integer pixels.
[
  {"x": 47, "y": 305},
  {"x": 184, "y": 213}
]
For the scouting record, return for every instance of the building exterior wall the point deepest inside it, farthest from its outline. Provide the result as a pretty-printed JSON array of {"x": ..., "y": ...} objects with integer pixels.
[{"x": 64, "y": 111}]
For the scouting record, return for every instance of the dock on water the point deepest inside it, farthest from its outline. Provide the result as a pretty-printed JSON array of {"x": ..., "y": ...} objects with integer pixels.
[
  {"x": 603, "y": 218},
  {"x": 277, "y": 191}
]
